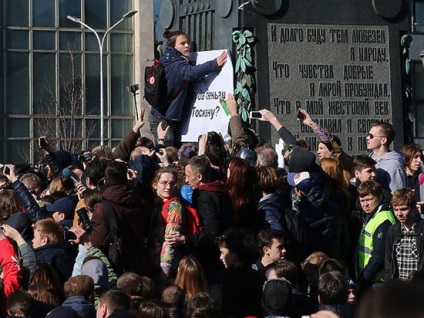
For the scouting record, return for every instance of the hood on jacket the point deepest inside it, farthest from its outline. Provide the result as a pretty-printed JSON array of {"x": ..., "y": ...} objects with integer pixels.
[
  {"x": 217, "y": 187},
  {"x": 271, "y": 199},
  {"x": 82, "y": 306},
  {"x": 170, "y": 55},
  {"x": 121, "y": 194},
  {"x": 22, "y": 223},
  {"x": 391, "y": 155},
  {"x": 62, "y": 312}
]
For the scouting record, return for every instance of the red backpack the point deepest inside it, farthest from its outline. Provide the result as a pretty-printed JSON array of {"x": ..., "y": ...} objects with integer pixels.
[{"x": 191, "y": 221}]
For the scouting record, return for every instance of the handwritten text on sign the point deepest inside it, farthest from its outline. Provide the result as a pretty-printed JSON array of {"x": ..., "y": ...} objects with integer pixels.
[{"x": 206, "y": 113}]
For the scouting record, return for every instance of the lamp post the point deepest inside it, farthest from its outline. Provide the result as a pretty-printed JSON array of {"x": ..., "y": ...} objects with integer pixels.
[{"x": 101, "y": 42}]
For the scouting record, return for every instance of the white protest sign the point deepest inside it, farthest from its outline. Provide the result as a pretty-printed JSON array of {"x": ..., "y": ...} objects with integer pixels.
[{"x": 206, "y": 113}]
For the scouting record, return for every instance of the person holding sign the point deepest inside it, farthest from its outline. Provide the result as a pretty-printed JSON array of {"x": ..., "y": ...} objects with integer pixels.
[{"x": 179, "y": 73}]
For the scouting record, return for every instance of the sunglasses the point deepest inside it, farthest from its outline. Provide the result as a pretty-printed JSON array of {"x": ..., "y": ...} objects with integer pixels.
[{"x": 372, "y": 136}]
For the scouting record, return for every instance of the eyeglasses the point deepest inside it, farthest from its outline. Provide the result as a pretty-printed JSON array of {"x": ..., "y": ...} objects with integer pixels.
[
  {"x": 372, "y": 136},
  {"x": 170, "y": 183}
]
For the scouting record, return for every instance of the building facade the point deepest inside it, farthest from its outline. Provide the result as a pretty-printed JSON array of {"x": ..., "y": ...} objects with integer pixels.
[
  {"x": 333, "y": 38},
  {"x": 49, "y": 65},
  {"x": 50, "y": 72}
]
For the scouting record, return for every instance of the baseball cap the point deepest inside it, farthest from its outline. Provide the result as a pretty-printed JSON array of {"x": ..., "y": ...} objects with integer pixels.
[
  {"x": 64, "y": 205},
  {"x": 303, "y": 181},
  {"x": 97, "y": 270}
]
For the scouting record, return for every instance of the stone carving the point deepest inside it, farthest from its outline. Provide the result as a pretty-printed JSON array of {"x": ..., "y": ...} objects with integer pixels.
[{"x": 244, "y": 71}]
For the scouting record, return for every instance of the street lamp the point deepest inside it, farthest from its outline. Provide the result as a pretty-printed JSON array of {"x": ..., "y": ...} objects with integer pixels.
[{"x": 100, "y": 42}]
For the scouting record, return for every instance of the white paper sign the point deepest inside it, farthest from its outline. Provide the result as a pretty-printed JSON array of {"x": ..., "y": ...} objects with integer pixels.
[{"x": 206, "y": 113}]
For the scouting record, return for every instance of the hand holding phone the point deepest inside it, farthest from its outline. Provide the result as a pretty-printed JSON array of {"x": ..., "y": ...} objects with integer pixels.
[
  {"x": 301, "y": 116},
  {"x": 42, "y": 142},
  {"x": 255, "y": 115},
  {"x": 6, "y": 170}
]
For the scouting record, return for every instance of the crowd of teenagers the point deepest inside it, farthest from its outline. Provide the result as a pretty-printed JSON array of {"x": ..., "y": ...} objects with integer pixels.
[
  {"x": 160, "y": 229},
  {"x": 217, "y": 230}
]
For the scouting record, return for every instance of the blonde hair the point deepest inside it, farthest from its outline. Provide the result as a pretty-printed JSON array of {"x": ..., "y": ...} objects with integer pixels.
[
  {"x": 50, "y": 229},
  {"x": 60, "y": 184},
  {"x": 316, "y": 258},
  {"x": 191, "y": 277}
]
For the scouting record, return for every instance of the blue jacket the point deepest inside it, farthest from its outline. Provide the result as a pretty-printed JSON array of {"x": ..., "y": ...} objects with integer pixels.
[
  {"x": 56, "y": 256},
  {"x": 28, "y": 202},
  {"x": 270, "y": 211},
  {"x": 177, "y": 71}
]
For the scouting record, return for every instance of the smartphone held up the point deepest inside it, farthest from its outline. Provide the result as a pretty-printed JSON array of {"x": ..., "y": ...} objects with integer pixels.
[
  {"x": 255, "y": 115},
  {"x": 42, "y": 142},
  {"x": 301, "y": 116}
]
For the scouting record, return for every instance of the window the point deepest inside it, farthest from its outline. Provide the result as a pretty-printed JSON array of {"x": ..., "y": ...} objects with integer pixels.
[{"x": 51, "y": 79}]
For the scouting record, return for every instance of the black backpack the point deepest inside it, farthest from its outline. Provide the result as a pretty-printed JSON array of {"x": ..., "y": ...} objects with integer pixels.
[
  {"x": 113, "y": 245},
  {"x": 156, "y": 89}
]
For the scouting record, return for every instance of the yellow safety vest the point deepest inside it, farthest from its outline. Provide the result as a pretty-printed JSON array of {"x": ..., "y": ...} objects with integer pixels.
[{"x": 366, "y": 242}]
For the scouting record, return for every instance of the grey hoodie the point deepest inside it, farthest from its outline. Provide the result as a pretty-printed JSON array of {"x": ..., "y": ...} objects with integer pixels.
[{"x": 390, "y": 171}]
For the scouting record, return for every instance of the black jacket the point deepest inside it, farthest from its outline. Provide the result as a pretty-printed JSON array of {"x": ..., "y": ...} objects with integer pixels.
[
  {"x": 214, "y": 207},
  {"x": 325, "y": 221},
  {"x": 394, "y": 234},
  {"x": 342, "y": 310},
  {"x": 242, "y": 292}
]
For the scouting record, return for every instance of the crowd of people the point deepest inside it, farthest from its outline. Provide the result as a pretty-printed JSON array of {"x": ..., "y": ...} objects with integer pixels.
[
  {"x": 150, "y": 230},
  {"x": 155, "y": 229}
]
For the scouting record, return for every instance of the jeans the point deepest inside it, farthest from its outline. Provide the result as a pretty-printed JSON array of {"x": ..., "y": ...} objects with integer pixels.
[{"x": 173, "y": 137}]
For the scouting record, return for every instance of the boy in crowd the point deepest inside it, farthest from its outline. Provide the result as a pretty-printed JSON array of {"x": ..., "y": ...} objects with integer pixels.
[{"x": 404, "y": 242}]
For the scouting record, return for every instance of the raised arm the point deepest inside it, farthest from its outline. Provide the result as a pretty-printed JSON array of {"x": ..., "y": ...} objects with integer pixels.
[
  {"x": 127, "y": 144},
  {"x": 283, "y": 132},
  {"x": 322, "y": 134},
  {"x": 238, "y": 135}
]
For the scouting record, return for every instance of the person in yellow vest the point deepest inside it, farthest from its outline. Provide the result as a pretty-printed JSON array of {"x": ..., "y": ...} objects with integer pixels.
[{"x": 372, "y": 240}]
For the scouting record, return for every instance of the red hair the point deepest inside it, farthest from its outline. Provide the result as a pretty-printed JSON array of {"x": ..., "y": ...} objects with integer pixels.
[{"x": 241, "y": 186}]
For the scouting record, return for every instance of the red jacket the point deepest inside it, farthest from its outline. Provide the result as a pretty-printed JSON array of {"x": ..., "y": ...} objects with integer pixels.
[{"x": 12, "y": 270}]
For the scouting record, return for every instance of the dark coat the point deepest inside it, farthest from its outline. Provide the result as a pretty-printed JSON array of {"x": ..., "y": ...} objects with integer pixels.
[
  {"x": 177, "y": 71},
  {"x": 342, "y": 310},
  {"x": 56, "y": 256},
  {"x": 28, "y": 202},
  {"x": 394, "y": 234},
  {"x": 412, "y": 181},
  {"x": 325, "y": 221},
  {"x": 242, "y": 292},
  {"x": 132, "y": 217},
  {"x": 214, "y": 207}
]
